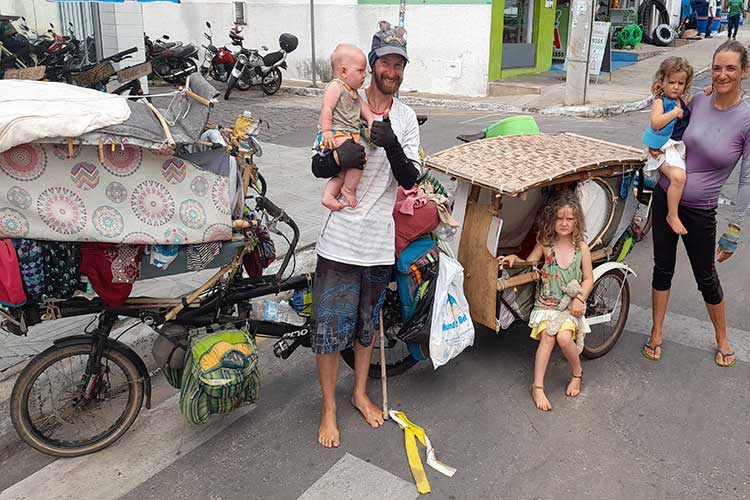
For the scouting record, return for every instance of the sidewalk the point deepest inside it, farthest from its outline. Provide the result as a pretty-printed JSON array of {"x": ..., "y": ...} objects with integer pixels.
[{"x": 629, "y": 89}]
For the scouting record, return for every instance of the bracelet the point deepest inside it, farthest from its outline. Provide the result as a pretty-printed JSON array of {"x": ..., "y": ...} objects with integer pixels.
[{"x": 579, "y": 298}]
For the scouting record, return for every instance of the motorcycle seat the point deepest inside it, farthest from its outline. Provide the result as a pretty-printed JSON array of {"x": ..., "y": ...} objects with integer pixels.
[
  {"x": 182, "y": 51},
  {"x": 272, "y": 58},
  {"x": 166, "y": 45}
]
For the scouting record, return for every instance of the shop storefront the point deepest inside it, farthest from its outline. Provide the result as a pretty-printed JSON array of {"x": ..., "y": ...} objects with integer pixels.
[{"x": 521, "y": 37}]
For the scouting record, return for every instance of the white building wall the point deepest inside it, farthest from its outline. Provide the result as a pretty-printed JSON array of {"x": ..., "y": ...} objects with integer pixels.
[
  {"x": 121, "y": 28},
  {"x": 38, "y": 13},
  {"x": 448, "y": 45}
]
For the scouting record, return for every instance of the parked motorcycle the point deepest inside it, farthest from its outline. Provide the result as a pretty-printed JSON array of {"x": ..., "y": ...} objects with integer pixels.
[
  {"x": 218, "y": 62},
  {"x": 251, "y": 68},
  {"x": 171, "y": 61}
]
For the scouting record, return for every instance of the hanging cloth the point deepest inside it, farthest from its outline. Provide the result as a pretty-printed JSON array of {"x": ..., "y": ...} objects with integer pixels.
[{"x": 11, "y": 284}]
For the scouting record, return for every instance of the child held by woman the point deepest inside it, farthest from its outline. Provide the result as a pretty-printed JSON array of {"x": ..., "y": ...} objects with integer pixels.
[
  {"x": 567, "y": 261},
  {"x": 670, "y": 116}
]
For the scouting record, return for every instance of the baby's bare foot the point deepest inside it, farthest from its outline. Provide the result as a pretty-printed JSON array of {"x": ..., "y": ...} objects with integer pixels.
[
  {"x": 349, "y": 196},
  {"x": 540, "y": 398},
  {"x": 331, "y": 203},
  {"x": 676, "y": 224}
]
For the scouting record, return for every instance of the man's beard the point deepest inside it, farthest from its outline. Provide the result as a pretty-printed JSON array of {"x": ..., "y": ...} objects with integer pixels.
[{"x": 386, "y": 87}]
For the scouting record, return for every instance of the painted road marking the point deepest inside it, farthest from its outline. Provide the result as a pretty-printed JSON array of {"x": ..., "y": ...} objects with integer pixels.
[
  {"x": 157, "y": 439},
  {"x": 352, "y": 478},
  {"x": 689, "y": 331}
]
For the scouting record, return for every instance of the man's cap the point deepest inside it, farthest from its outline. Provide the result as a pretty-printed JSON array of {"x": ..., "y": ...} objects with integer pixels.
[{"x": 388, "y": 40}]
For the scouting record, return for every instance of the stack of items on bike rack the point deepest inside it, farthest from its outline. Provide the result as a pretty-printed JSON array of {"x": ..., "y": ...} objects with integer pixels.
[{"x": 99, "y": 191}]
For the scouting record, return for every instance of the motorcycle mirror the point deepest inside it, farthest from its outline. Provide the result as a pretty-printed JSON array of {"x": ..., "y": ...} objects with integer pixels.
[
  {"x": 264, "y": 47},
  {"x": 208, "y": 25},
  {"x": 166, "y": 37},
  {"x": 51, "y": 25}
]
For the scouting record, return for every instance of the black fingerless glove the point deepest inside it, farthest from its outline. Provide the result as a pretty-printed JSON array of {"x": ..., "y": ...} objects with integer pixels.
[{"x": 350, "y": 155}]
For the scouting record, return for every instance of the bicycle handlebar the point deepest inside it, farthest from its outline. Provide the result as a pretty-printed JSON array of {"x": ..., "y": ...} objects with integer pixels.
[{"x": 274, "y": 211}]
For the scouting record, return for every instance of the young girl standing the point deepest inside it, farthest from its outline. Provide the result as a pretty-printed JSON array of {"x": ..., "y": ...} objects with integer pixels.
[
  {"x": 670, "y": 117},
  {"x": 560, "y": 241}
]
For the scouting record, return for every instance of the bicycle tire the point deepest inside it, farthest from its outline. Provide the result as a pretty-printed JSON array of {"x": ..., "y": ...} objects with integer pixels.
[
  {"x": 401, "y": 359},
  {"x": 610, "y": 334},
  {"x": 19, "y": 402}
]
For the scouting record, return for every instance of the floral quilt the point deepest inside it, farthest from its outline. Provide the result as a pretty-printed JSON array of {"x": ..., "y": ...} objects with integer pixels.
[{"x": 121, "y": 194}]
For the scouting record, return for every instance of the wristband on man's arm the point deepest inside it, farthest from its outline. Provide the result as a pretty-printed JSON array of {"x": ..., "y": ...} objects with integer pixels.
[{"x": 730, "y": 238}]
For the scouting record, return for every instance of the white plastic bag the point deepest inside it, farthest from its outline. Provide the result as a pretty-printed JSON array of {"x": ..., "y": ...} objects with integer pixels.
[{"x": 451, "y": 330}]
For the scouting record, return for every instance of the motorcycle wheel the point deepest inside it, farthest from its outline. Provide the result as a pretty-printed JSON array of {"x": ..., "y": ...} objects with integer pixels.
[
  {"x": 271, "y": 87},
  {"x": 231, "y": 83},
  {"x": 243, "y": 84}
]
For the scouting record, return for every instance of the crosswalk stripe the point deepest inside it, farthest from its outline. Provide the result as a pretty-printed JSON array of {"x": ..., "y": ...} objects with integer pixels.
[
  {"x": 157, "y": 439},
  {"x": 352, "y": 477}
]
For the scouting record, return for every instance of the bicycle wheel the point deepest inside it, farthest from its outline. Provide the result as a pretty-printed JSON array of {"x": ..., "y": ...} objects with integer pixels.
[
  {"x": 50, "y": 408},
  {"x": 397, "y": 356},
  {"x": 606, "y": 311}
]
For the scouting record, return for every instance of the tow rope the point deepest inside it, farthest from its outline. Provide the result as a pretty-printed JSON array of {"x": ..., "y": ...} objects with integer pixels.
[{"x": 412, "y": 432}]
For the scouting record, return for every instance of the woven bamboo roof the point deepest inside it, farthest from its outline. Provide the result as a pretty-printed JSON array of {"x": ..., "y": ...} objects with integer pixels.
[{"x": 513, "y": 164}]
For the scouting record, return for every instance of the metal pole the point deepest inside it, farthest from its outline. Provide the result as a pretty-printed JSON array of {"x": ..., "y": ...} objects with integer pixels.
[
  {"x": 312, "y": 40},
  {"x": 401, "y": 12},
  {"x": 579, "y": 47}
]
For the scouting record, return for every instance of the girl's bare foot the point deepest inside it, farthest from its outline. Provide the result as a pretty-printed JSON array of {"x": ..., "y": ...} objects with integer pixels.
[
  {"x": 676, "y": 224},
  {"x": 540, "y": 398},
  {"x": 328, "y": 434},
  {"x": 331, "y": 203},
  {"x": 373, "y": 415},
  {"x": 349, "y": 196},
  {"x": 574, "y": 387}
]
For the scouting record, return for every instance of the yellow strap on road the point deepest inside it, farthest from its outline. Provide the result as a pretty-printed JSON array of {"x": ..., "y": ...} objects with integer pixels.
[{"x": 412, "y": 432}]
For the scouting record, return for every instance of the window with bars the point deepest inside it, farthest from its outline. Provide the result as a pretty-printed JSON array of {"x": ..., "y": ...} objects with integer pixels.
[{"x": 239, "y": 13}]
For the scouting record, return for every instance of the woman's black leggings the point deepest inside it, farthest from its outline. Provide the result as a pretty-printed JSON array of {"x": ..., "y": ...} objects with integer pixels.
[{"x": 700, "y": 243}]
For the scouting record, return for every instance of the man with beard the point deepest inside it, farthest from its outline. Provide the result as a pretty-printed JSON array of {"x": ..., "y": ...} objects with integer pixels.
[{"x": 356, "y": 246}]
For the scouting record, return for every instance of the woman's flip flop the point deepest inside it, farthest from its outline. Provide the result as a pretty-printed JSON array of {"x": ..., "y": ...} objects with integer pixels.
[
  {"x": 724, "y": 357},
  {"x": 648, "y": 355}
]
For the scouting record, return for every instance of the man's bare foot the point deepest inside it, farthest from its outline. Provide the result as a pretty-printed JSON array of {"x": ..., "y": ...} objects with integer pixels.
[
  {"x": 540, "y": 398},
  {"x": 373, "y": 415},
  {"x": 331, "y": 203},
  {"x": 349, "y": 196},
  {"x": 676, "y": 225},
  {"x": 328, "y": 434},
  {"x": 574, "y": 387}
]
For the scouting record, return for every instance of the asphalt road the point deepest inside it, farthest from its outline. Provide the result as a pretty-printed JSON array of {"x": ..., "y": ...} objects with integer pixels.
[{"x": 640, "y": 429}]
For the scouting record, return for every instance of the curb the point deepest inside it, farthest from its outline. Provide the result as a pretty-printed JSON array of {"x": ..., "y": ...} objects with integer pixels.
[{"x": 575, "y": 111}]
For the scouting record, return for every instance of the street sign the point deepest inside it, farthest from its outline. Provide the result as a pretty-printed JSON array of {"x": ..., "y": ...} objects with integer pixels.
[{"x": 599, "y": 47}]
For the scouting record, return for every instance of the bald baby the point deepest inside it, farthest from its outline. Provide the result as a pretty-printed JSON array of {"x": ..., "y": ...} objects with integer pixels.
[{"x": 346, "y": 56}]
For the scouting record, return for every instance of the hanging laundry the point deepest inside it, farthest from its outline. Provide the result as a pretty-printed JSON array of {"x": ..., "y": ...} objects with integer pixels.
[
  {"x": 161, "y": 256},
  {"x": 29, "y": 254},
  {"x": 98, "y": 261},
  {"x": 125, "y": 261},
  {"x": 198, "y": 256},
  {"x": 11, "y": 284},
  {"x": 60, "y": 263}
]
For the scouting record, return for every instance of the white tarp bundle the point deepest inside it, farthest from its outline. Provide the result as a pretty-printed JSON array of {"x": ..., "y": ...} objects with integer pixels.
[{"x": 31, "y": 110}]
